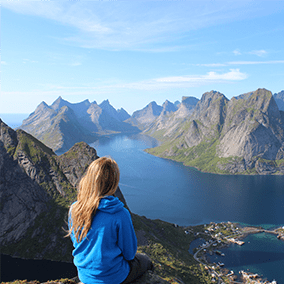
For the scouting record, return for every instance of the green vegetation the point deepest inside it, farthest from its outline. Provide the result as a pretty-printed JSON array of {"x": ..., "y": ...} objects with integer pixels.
[
  {"x": 168, "y": 245},
  {"x": 203, "y": 156}
]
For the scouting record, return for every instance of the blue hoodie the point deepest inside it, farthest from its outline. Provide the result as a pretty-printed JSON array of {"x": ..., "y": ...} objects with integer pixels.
[{"x": 103, "y": 255}]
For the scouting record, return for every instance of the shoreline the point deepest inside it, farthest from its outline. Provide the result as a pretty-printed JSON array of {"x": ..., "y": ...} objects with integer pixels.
[{"x": 214, "y": 245}]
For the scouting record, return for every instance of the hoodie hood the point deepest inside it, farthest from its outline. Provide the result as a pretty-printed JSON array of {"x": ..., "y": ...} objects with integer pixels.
[{"x": 110, "y": 204}]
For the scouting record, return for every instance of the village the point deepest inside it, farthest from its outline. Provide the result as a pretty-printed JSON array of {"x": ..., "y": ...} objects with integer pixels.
[{"x": 219, "y": 235}]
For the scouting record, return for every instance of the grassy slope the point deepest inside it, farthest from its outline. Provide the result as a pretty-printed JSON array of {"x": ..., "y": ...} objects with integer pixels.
[{"x": 168, "y": 248}]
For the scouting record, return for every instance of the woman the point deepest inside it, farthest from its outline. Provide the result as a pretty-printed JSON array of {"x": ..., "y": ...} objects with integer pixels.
[{"x": 101, "y": 230}]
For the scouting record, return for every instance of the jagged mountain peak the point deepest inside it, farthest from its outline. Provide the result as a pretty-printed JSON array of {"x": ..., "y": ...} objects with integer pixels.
[
  {"x": 105, "y": 102},
  {"x": 123, "y": 114},
  {"x": 58, "y": 103},
  {"x": 76, "y": 107},
  {"x": 156, "y": 109},
  {"x": 210, "y": 106},
  {"x": 168, "y": 107},
  {"x": 43, "y": 104},
  {"x": 212, "y": 95}
]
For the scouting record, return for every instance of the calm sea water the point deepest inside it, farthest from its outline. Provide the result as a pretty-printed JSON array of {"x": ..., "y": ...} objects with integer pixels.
[
  {"x": 163, "y": 189},
  {"x": 262, "y": 254}
]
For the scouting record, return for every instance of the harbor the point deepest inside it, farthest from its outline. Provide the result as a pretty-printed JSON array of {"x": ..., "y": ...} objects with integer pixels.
[{"x": 221, "y": 237}]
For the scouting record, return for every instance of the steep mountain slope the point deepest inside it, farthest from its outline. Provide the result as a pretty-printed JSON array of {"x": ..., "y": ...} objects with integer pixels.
[
  {"x": 63, "y": 124},
  {"x": 57, "y": 128},
  {"x": 167, "y": 123},
  {"x": 122, "y": 114},
  {"x": 36, "y": 188},
  {"x": 34, "y": 194},
  {"x": 279, "y": 99},
  {"x": 243, "y": 135},
  {"x": 144, "y": 117}
]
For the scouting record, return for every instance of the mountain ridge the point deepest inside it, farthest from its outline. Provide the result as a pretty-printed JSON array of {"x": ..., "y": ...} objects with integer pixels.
[
  {"x": 213, "y": 122},
  {"x": 242, "y": 135}
]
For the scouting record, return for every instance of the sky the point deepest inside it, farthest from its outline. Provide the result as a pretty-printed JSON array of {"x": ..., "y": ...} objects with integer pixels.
[{"x": 136, "y": 52}]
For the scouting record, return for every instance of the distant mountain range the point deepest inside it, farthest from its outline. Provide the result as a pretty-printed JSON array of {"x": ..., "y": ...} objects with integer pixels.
[
  {"x": 214, "y": 134},
  {"x": 63, "y": 124}
]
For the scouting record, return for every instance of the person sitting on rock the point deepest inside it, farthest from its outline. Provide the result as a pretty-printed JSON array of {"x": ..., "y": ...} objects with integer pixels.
[{"x": 101, "y": 230}]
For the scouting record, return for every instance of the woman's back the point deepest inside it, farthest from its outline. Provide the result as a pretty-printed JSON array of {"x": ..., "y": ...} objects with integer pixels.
[{"x": 109, "y": 245}]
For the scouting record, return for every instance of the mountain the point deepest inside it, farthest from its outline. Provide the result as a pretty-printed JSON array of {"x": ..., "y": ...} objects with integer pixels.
[
  {"x": 36, "y": 190},
  {"x": 122, "y": 114},
  {"x": 142, "y": 118},
  {"x": 57, "y": 128},
  {"x": 242, "y": 135},
  {"x": 78, "y": 108},
  {"x": 63, "y": 124},
  {"x": 167, "y": 122},
  {"x": 279, "y": 99}
]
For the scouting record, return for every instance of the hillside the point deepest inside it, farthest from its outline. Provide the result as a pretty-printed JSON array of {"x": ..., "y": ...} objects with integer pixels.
[
  {"x": 37, "y": 187},
  {"x": 244, "y": 135}
]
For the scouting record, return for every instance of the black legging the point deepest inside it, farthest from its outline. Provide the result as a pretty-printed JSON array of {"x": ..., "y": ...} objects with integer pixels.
[{"x": 138, "y": 266}]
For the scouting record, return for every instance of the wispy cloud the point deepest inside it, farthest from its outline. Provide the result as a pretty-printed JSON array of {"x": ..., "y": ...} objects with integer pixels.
[
  {"x": 211, "y": 64},
  {"x": 160, "y": 83},
  {"x": 237, "y": 52},
  {"x": 259, "y": 53},
  {"x": 232, "y": 75},
  {"x": 121, "y": 25},
  {"x": 255, "y": 62},
  {"x": 156, "y": 84},
  {"x": 26, "y": 60},
  {"x": 244, "y": 62}
]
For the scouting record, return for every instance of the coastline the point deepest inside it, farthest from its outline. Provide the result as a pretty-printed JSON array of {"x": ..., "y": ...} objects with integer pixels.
[{"x": 213, "y": 246}]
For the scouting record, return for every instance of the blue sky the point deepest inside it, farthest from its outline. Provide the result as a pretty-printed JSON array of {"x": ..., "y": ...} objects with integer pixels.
[{"x": 135, "y": 52}]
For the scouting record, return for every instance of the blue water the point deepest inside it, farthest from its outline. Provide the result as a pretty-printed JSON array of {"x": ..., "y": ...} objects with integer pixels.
[
  {"x": 14, "y": 120},
  {"x": 163, "y": 189},
  {"x": 262, "y": 254}
]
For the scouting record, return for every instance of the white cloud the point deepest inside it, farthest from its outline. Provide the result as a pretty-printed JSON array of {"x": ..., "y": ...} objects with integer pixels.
[
  {"x": 26, "y": 60},
  {"x": 259, "y": 53},
  {"x": 232, "y": 75},
  {"x": 3, "y": 62},
  {"x": 237, "y": 52},
  {"x": 256, "y": 62}
]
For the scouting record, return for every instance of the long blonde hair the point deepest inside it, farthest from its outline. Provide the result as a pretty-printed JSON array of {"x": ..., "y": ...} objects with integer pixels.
[{"x": 101, "y": 179}]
